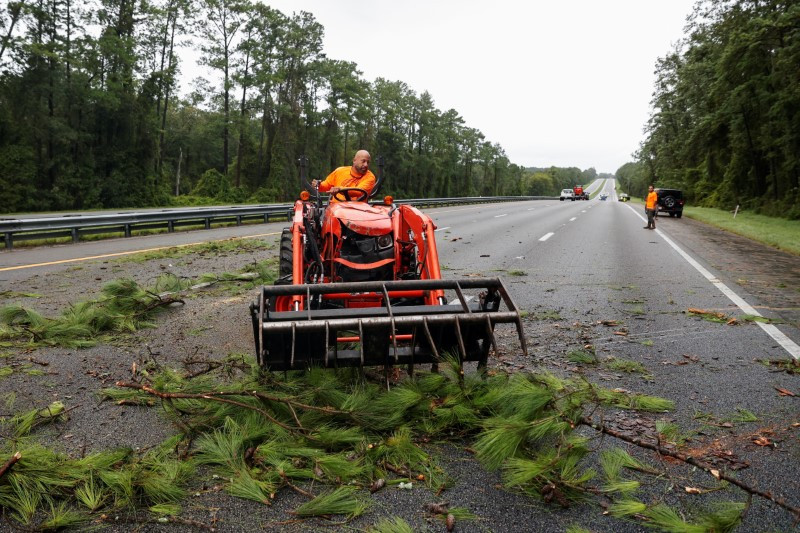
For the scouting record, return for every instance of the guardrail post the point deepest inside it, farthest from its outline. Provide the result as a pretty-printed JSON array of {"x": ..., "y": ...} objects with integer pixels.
[
  {"x": 266, "y": 218},
  {"x": 9, "y": 238},
  {"x": 170, "y": 226},
  {"x": 127, "y": 228},
  {"x": 208, "y": 223},
  {"x": 75, "y": 236},
  {"x": 238, "y": 220}
]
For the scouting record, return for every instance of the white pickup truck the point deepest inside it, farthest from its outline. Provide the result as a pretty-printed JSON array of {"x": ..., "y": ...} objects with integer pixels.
[{"x": 567, "y": 194}]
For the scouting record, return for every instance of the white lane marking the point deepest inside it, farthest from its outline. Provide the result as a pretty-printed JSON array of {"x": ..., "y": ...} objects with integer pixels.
[
  {"x": 503, "y": 215},
  {"x": 442, "y": 229},
  {"x": 531, "y": 209},
  {"x": 573, "y": 218},
  {"x": 583, "y": 211},
  {"x": 546, "y": 236},
  {"x": 777, "y": 335}
]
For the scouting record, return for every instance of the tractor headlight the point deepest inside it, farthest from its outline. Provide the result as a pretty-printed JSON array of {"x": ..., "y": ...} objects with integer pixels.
[{"x": 385, "y": 241}]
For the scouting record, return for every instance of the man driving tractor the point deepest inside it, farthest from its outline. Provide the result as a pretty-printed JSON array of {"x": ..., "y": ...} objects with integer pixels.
[{"x": 356, "y": 176}]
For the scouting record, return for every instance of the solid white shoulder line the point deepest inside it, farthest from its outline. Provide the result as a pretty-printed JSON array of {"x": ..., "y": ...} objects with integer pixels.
[{"x": 788, "y": 344}]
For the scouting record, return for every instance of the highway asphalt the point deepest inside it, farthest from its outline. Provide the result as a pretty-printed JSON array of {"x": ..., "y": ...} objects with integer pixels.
[{"x": 586, "y": 274}]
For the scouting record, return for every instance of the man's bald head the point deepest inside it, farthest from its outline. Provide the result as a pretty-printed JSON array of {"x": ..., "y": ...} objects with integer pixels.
[{"x": 361, "y": 162}]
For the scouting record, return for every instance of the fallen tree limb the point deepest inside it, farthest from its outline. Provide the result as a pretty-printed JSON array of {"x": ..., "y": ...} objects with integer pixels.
[
  {"x": 216, "y": 397},
  {"x": 688, "y": 459},
  {"x": 217, "y": 394},
  {"x": 11, "y": 462}
]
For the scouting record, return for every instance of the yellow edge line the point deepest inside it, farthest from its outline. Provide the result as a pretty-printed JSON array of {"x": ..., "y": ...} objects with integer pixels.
[{"x": 117, "y": 254}]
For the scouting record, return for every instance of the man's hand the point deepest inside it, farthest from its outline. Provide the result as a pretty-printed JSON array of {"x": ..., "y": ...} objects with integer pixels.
[
  {"x": 334, "y": 190},
  {"x": 315, "y": 183}
]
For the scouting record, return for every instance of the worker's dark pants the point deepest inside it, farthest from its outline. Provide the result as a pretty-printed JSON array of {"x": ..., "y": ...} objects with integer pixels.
[{"x": 651, "y": 218}]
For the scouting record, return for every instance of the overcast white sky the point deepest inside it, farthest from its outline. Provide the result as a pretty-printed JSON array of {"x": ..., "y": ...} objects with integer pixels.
[{"x": 565, "y": 83}]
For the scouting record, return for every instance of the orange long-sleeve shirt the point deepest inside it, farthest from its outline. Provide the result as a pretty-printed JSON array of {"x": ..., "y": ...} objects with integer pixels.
[
  {"x": 344, "y": 177},
  {"x": 650, "y": 202}
]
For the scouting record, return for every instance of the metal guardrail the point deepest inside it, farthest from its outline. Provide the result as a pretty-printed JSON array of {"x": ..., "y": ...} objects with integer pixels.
[{"x": 22, "y": 229}]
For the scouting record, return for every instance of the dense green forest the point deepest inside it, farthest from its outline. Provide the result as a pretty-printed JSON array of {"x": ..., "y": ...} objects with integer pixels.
[
  {"x": 725, "y": 120},
  {"x": 91, "y": 114}
]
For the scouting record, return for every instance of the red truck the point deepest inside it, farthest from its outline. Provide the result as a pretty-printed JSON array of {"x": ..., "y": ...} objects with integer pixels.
[{"x": 578, "y": 193}]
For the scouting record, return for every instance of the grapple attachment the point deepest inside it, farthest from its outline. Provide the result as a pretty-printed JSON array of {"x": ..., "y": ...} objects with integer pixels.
[{"x": 379, "y": 323}]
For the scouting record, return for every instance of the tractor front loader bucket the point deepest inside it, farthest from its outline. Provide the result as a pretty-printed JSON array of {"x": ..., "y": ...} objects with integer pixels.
[{"x": 383, "y": 326}]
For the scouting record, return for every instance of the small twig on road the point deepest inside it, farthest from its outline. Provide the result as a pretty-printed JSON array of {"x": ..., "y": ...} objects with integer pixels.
[
  {"x": 400, "y": 471},
  {"x": 8, "y": 464},
  {"x": 211, "y": 365},
  {"x": 295, "y": 487}
]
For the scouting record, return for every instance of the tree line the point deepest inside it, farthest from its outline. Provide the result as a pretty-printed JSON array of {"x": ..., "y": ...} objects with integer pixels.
[
  {"x": 725, "y": 119},
  {"x": 91, "y": 115}
]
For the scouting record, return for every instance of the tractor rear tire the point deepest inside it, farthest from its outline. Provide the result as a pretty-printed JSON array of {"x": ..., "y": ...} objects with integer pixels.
[{"x": 286, "y": 254}]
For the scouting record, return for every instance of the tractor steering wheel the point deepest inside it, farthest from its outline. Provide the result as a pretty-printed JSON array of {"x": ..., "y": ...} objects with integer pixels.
[{"x": 343, "y": 195}]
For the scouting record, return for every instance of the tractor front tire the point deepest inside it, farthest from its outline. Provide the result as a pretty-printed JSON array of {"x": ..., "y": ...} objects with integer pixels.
[{"x": 286, "y": 254}]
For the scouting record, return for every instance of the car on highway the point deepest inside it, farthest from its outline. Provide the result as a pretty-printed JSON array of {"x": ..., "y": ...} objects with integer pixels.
[
  {"x": 670, "y": 201},
  {"x": 624, "y": 197},
  {"x": 567, "y": 194},
  {"x": 603, "y": 196}
]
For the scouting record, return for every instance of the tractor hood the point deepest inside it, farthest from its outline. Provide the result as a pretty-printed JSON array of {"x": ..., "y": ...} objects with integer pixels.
[{"x": 362, "y": 218}]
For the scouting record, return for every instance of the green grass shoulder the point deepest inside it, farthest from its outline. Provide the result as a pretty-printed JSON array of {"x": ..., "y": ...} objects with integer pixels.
[{"x": 776, "y": 232}]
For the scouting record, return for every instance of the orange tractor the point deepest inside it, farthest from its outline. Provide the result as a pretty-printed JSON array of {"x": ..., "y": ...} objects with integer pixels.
[{"x": 360, "y": 285}]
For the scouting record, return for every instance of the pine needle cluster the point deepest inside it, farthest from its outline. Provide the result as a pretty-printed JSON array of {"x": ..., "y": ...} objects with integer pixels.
[
  {"x": 23, "y": 423},
  {"x": 53, "y": 491},
  {"x": 332, "y": 434},
  {"x": 391, "y": 525},
  {"x": 122, "y": 307},
  {"x": 342, "y": 500},
  {"x": 338, "y": 429}
]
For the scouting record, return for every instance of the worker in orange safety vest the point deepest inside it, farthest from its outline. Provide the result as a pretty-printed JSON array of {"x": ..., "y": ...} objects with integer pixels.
[
  {"x": 357, "y": 175},
  {"x": 650, "y": 207}
]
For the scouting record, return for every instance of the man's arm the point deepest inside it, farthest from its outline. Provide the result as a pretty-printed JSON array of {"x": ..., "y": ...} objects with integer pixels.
[{"x": 326, "y": 184}]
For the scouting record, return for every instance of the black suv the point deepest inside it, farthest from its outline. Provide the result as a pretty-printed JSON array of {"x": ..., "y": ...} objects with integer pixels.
[{"x": 670, "y": 201}]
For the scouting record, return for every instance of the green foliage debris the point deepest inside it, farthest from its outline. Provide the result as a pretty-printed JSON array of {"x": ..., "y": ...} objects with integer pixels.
[
  {"x": 582, "y": 356},
  {"x": 330, "y": 435},
  {"x": 122, "y": 307},
  {"x": 624, "y": 365}
]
